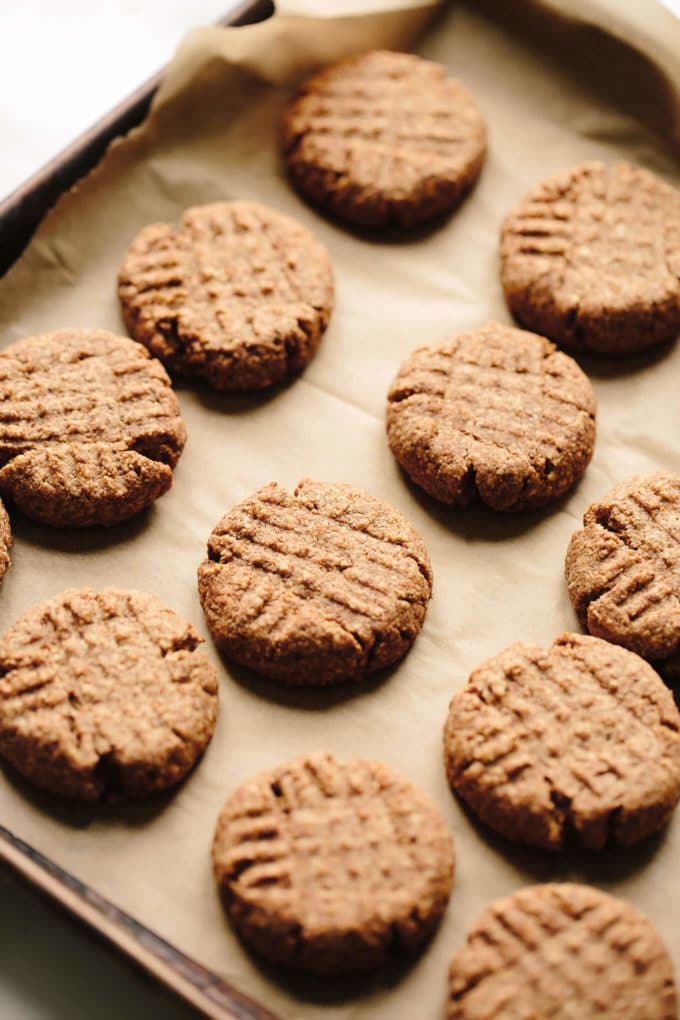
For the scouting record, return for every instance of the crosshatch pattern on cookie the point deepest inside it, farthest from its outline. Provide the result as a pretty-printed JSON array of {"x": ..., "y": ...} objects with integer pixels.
[
  {"x": 332, "y": 866},
  {"x": 315, "y": 587},
  {"x": 90, "y": 428},
  {"x": 591, "y": 258},
  {"x": 385, "y": 138},
  {"x": 579, "y": 741},
  {"x": 104, "y": 694},
  {"x": 238, "y": 294},
  {"x": 498, "y": 415},
  {"x": 623, "y": 569},
  {"x": 559, "y": 951}
]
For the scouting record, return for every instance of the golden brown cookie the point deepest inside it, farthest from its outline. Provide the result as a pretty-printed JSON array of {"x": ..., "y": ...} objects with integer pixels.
[
  {"x": 497, "y": 415},
  {"x": 5, "y": 541},
  {"x": 623, "y": 569},
  {"x": 591, "y": 258},
  {"x": 104, "y": 694},
  {"x": 332, "y": 867},
  {"x": 320, "y": 586},
  {"x": 238, "y": 295},
  {"x": 90, "y": 429},
  {"x": 577, "y": 741},
  {"x": 384, "y": 139},
  {"x": 562, "y": 951}
]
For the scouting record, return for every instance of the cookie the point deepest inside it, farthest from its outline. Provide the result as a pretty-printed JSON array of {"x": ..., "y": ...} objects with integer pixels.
[
  {"x": 5, "y": 541},
  {"x": 332, "y": 867},
  {"x": 591, "y": 258},
  {"x": 562, "y": 951},
  {"x": 623, "y": 569},
  {"x": 383, "y": 139},
  {"x": 322, "y": 586},
  {"x": 580, "y": 740},
  {"x": 104, "y": 694},
  {"x": 90, "y": 428},
  {"x": 496, "y": 415},
  {"x": 238, "y": 295}
]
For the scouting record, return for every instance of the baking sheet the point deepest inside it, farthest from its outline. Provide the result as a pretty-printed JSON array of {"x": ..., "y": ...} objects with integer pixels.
[{"x": 541, "y": 84}]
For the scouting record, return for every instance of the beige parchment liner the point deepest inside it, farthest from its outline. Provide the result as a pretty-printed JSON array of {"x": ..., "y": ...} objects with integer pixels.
[{"x": 554, "y": 92}]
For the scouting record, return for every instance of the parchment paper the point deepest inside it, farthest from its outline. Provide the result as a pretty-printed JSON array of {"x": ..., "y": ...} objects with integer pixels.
[{"x": 213, "y": 135}]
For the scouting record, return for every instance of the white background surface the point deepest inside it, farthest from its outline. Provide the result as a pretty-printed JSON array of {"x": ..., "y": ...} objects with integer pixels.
[
  {"x": 61, "y": 66},
  {"x": 64, "y": 63}
]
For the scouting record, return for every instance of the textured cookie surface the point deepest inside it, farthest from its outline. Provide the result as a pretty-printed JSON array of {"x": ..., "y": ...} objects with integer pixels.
[
  {"x": 332, "y": 867},
  {"x": 321, "y": 586},
  {"x": 562, "y": 951},
  {"x": 497, "y": 415},
  {"x": 239, "y": 295},
  {"x": 384, "y": 139},
  {"x": 5, "y": 541},
  {"x": 104, "y": 694},
  {"x": 90, "y": 428},
  {"x": 623, "y": 569},
  {"x": 591, "y": 258},
  {"x": 581, "y": 739}
]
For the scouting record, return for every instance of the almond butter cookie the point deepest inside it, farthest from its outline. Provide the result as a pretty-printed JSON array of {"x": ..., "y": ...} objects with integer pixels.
[
  {"x": 384, "y": 139},
  {"x": 591, "y": 258},
  {"x": 332, "y": 867},
  {"x": 579, "y": 741},
  {"x": 5, "y": 541},
  {"x": 238, "y": 295},
  {"x": 90, "y": 428},
  {"x": 104, "y": 694},
  {"x": 320, "y": 586},
  {"x": 497, "y": 415},
  {"x": 562, "y": 951},
  {"x": 623, "y": 569}
]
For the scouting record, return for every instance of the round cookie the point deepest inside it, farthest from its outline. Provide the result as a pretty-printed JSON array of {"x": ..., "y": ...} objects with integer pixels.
[
  {"x": 238, "y": 295},
  {"x": 497, "y": 415},
  {"x": 5, "y": 541},
  {"x": 104, "y": 694},
  {"x": 90, "y": 429},
  {"x": 562, "y": 951},
  {"x": 623, "y": 569},
  {"x": 580, "y": 740},
  {"x": 383, "y": 139},
  {"x": 322, "y": 586},
  {"x": 332, "y": 867},
  {"x": 591, "y": 258}
]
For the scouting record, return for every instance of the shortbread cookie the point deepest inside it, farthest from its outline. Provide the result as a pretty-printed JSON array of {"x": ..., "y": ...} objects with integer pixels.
[
  {"x": 332, "y": 867},
  {"x": 384, "y": 139},
  {"x": 104, "y": 694},
  {"x": 318, "y": 587},
  {"x": 238, "y": 295},
  {"x": 497, "y": 415},
  {"x": 591, "y": 258},
  {"x": 577, "y": 741},
  {"x": 5, "y": 541},
  {"x": 623, "y": 569},
  {"x": 562, "y": 951},
  {"x": 90, "y": 428}
]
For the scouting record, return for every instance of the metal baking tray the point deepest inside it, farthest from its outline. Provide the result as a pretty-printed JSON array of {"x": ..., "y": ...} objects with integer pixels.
[{"x": 20, "y": 214}]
